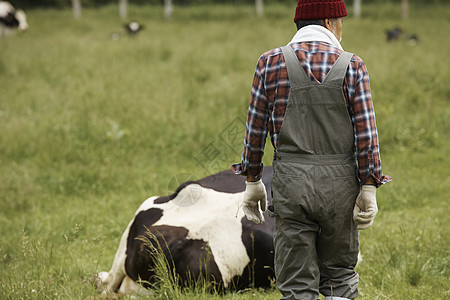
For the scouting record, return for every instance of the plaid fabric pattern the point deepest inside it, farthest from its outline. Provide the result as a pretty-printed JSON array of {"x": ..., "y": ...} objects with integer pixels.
[{"x": 270, "y": 95}]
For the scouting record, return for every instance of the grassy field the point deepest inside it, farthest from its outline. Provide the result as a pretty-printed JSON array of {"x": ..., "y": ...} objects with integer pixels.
[{"x": 91, "y": 126}]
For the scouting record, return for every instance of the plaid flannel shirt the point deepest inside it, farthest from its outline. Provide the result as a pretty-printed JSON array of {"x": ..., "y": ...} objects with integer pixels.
[{"x": 270, "y": 95}]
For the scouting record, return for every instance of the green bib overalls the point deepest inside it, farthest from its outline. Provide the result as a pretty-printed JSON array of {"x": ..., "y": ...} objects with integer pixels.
[{"x": 315, "y": 187}]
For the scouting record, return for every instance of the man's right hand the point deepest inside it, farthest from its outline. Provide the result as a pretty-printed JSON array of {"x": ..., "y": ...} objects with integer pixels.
[
  {"x": 255, "y": 193},
  {"x": 365, "y": 207}
]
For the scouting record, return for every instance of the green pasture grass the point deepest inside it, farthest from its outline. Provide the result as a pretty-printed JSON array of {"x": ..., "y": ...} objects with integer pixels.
[{"x": 91, "y": 126}]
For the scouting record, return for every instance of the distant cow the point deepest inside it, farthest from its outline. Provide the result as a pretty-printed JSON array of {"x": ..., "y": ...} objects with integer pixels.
[
  {"x": 11, "y": 18},
  {"x": 202, "y": 232},
  {"x": 393, "y": 34},
  {"x": 133, "y": 27},
  {"x": 397, "y": 33}
]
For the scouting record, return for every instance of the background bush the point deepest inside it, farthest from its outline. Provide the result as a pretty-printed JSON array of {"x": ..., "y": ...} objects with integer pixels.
[
  {"x": 94, "y": 3},
  {"x": 91, "y": 126}
]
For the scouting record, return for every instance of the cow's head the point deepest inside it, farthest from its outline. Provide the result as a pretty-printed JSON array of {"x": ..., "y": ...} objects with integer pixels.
[{"x": 22, "y": 18}]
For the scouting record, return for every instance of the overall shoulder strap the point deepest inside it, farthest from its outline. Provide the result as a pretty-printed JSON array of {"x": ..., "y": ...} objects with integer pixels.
[
  {"x": 296, "y": 74},
  {"x": 339, "y": 69}
]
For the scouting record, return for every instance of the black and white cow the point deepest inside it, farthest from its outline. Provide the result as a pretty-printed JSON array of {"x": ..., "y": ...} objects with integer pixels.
[
  {"x": 133, "y": 27},
  {"x": 202, "y": 231},
  {"x": 11, "y": 18}
]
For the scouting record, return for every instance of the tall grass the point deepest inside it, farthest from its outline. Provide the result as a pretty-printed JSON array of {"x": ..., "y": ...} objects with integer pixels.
[
  {"x": 91, "y": 126},
  {"x": 166, "y": 283}
]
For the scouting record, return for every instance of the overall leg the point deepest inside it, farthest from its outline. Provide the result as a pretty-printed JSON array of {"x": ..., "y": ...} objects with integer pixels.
[
  {"x": 338, "y": 243},
  {"x": 295, "y": 236},
  {"x": 296, "y": 263}
]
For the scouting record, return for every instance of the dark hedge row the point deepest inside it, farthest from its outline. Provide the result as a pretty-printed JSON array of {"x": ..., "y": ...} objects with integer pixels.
[{"x": 91, "y": 3}]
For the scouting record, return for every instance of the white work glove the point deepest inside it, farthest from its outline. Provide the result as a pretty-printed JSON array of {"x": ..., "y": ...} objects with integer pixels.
[
  {"x": 366, "y": 207},
  {"x": 255, "y": 192}
]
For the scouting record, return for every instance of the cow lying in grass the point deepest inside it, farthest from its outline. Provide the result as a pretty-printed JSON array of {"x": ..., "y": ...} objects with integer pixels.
[
  {"x": 201, "y": 233},
  {"x": 11, "y": 18}
]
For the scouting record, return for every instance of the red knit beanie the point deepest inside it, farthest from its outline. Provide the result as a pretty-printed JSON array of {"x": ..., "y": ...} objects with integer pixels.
[{"x": 319, "y": 9}]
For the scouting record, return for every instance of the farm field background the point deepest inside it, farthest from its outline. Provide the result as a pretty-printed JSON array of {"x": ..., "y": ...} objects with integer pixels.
[{"x": 91, "y": 126}]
